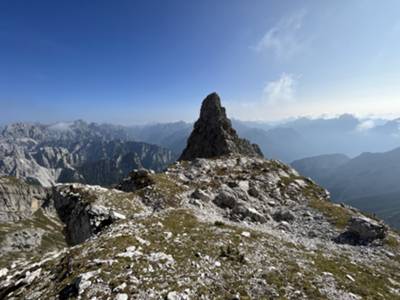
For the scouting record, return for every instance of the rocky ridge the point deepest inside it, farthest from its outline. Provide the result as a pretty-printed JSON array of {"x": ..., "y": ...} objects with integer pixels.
[
  {"x": 231, "y": 227},
  {"x": 226, "y": 227}
]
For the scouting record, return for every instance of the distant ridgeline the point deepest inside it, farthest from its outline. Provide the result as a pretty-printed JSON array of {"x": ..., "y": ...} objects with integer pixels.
[{"x": 368, "y": 181}]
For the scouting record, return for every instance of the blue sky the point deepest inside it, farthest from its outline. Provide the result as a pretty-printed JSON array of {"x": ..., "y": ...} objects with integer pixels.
[{"x": 131, "y": 62}]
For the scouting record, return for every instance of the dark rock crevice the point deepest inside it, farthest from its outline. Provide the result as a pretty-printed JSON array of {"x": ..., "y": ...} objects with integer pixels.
[{"x": 82, "y": 217}]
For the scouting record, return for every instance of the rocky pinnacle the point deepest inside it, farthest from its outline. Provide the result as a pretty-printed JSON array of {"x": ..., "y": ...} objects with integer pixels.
[{"x": 213, "y": 135}]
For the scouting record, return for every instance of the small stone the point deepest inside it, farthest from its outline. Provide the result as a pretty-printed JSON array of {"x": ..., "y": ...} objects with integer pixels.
[
  {"x": 130, "y": 252},
  {"x": 30, "y": 277},
  {"x": 350, "y": 277},
  {"x": 253, "y": 192},
  {"x": 82, "y": 282},
  {"x": 246, "y": 234},
  {"x": 217, "y": 264},
  {"x": 200, "y": 195},
  {"x": 142, "y": 241},
  {"x": 3, "y": 272},
  {"x": 284, "y": 215},
  {"x": 393, "y": 282},
  {"x": 389, "y": 254},
  {"x": 177, "y": 296},
  {"x": 160, "y": 256},
  {"x": 284, "y": 226},
  {"x": 196, "y": 202},
  {"x": 121, "y": 296},
  {"x": 255, "y": 215},
  {"x": 312, "y": 234},
  {"x": 243, "y": 185},
  {"x": 120, "y": 288},
  {"x": 117, "y": 216}
]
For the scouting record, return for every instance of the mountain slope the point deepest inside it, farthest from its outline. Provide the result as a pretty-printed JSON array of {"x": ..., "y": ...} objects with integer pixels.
[
  {"x": 368, "y": 181},
  {"x": 239, "y": 227},
  {"x": 319, "y": 168},
  {"x": 367, "y": 174}
]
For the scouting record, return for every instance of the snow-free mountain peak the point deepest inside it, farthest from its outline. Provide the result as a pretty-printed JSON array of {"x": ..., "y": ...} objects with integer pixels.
[{"x": 214, "y": 136}]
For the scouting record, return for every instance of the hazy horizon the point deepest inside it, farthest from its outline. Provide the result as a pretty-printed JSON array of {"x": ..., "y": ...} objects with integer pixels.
[{"x": 377, "y": 120}]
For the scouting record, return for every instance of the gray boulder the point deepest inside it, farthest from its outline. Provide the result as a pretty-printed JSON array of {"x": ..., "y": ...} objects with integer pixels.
[
  {"x": 284, "y": 215},
  {"x": 250, "y": 213},
  {"x": 226, "y": 198},
  {"x": 201, "y": 195},
  {"x": 362, "y": 231},
  {"x": 136, "y": 180},
  {"x": 367, "y": 229}
]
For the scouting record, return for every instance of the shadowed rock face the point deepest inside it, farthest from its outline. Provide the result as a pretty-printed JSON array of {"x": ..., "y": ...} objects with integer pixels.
[{"x": 213, "y": 135}]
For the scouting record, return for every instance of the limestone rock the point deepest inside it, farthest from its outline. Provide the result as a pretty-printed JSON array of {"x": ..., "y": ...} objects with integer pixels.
[
  {"x": 363, "y": 230},
  {"x": 18, "y": 199},
  {"x": 213, "y": 135},
  {"x": 136, "y": 180},
  {"x": 78, "y": 209},
  {"x": 284, "y": 215}
]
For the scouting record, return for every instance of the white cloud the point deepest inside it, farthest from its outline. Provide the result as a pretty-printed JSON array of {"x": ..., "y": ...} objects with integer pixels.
[
  {"x": 365, "y": 125},
  {"x": 283, "y": 38},
  {"x": 276, "y": 99},
  {"x": 280, "y": 90}
]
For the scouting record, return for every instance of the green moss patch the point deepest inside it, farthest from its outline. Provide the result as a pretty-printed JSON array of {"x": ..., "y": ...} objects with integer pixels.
[
  {"x": 370, "y": 283},
  {"x": 336, "y": 215}
]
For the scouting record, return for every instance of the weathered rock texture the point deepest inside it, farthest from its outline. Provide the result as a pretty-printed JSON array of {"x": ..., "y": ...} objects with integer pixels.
[
  {"x": 137, "y": 179},
  {"x": 28, "y": 224},
  {"x": 213, "y": 135},
  {"x": 81, "y": 210},
  {"x": 19, "y": 200},
  {"x": 236, "y": 227}
]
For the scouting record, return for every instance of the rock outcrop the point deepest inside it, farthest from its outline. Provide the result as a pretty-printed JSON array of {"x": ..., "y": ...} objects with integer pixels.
[
  {"x": 28, "y": 223},
  {"x": 18, "y": 199},
  {"x": 362, "y": 230},
  {"x": 367, "y": 229},
  {"x": 213, "y": 135},
  {"x": 82, "y": 211}
]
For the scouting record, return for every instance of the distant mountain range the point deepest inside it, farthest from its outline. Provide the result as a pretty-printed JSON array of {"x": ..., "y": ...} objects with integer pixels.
[
  {"x": 292, "y": 140},
  {"x": 75, "y": 152},
  {"x": 103, "y": 153},
  {"x": 369, "y": 181}
]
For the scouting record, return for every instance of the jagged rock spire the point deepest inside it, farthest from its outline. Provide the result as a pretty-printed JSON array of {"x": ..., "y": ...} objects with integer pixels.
[{"x": 213, "y": 135}]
